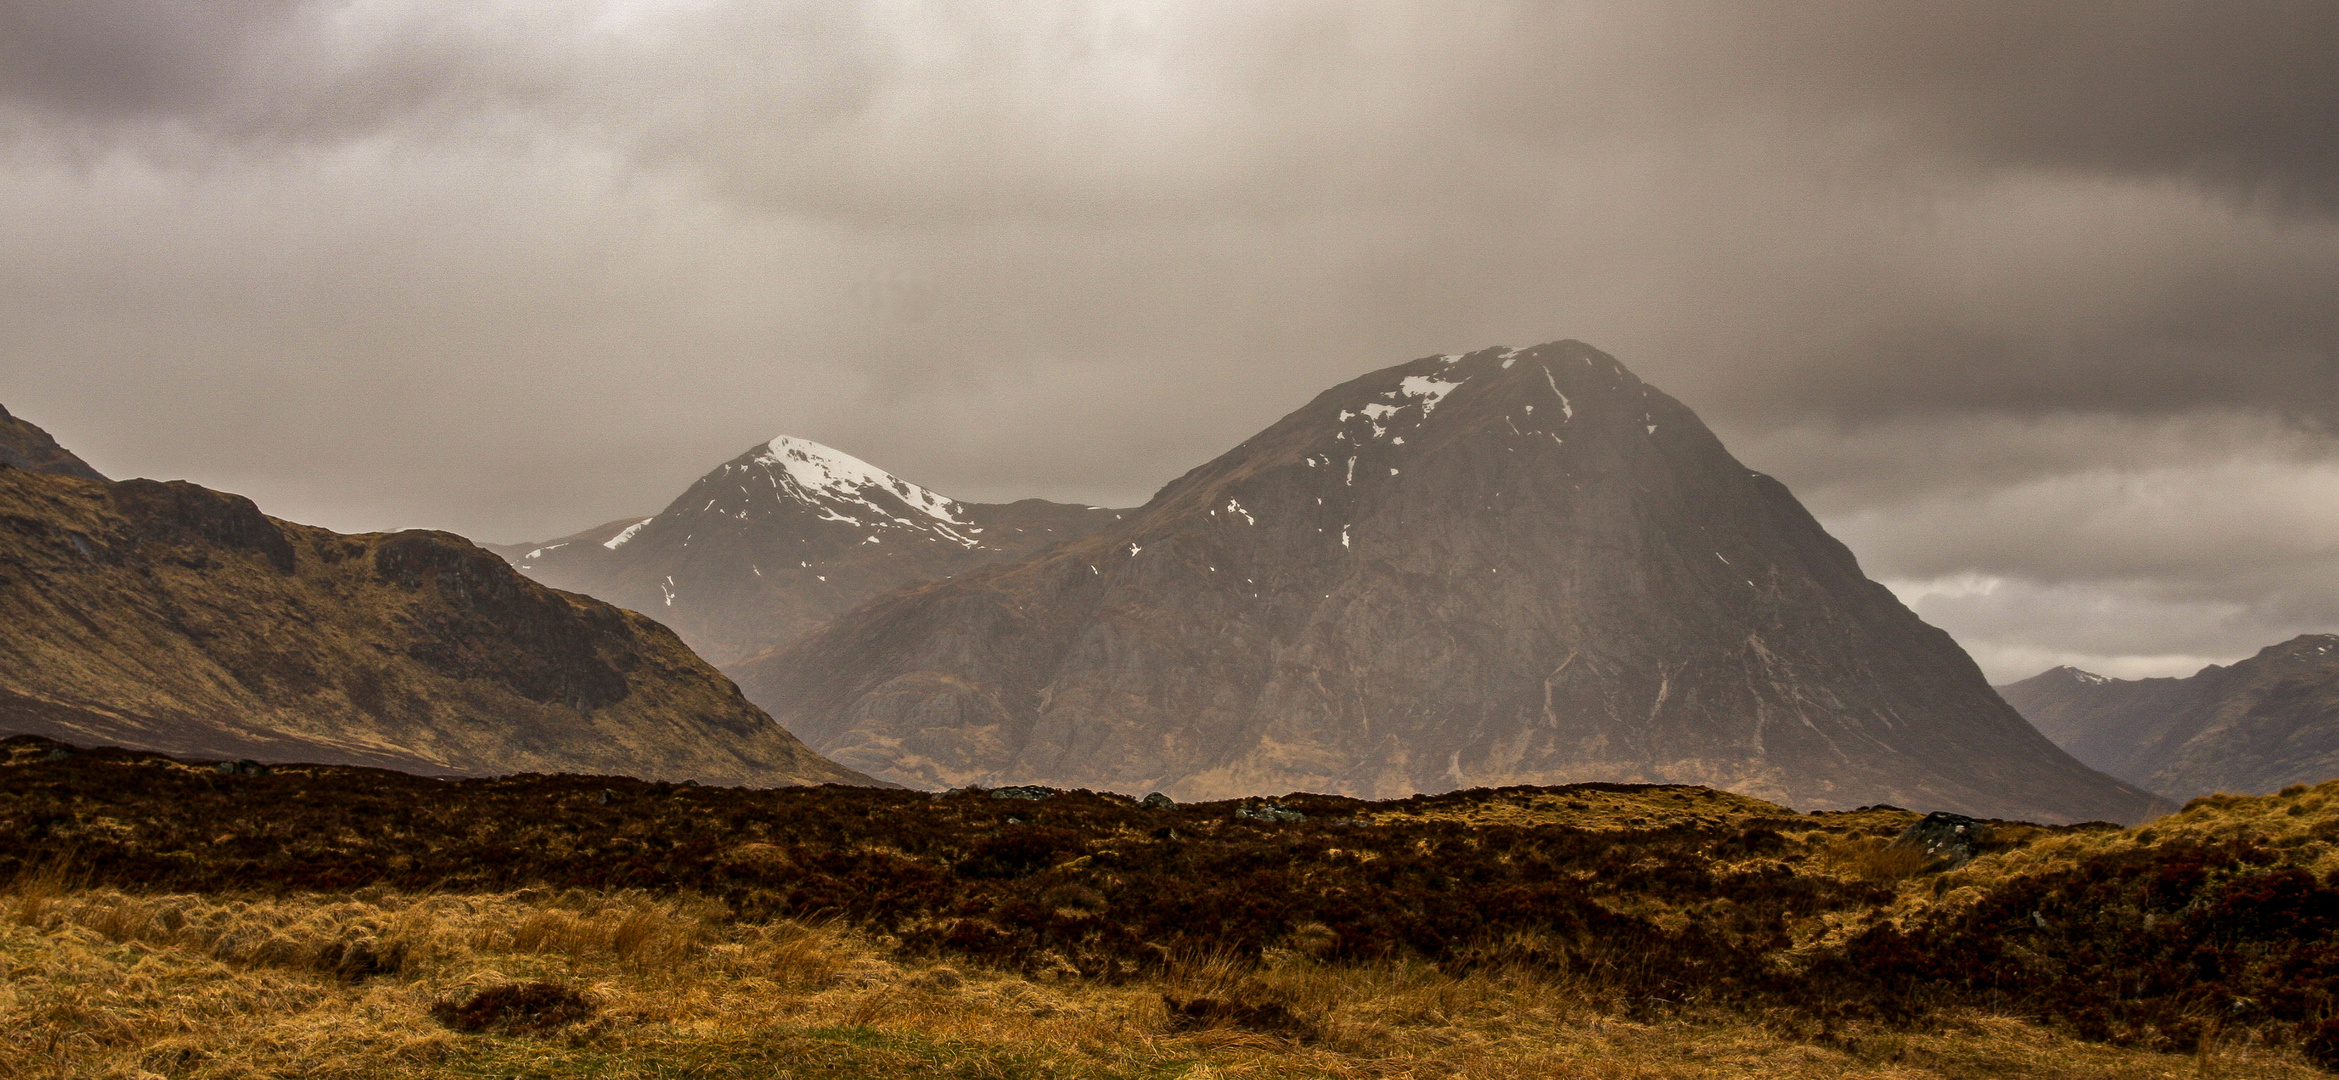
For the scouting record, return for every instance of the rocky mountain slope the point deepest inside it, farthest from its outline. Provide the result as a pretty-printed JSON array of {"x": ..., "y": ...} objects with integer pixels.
[
  {"x": 1515, "y": 566},
  {"x": 25, "y": 446},
  {"x": 785, "y": 537},
  {"x": 170, "y": 617},
  {"x": 2253, "y": 728}
]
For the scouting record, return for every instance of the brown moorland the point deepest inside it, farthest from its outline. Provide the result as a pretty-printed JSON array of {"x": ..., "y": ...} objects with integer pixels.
[{"x": 169, "y": 918}]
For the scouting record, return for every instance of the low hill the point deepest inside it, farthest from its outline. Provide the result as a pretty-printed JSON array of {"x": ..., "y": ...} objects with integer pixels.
[{"x": 172, "y": 617}]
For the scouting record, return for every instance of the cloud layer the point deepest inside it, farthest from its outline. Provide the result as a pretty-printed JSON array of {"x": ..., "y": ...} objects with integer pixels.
[{"x": 2033, "y": 303}]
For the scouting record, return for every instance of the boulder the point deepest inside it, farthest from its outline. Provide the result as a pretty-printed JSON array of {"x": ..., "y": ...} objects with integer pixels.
[
  {"x": 1949, "y": 839},
  {"x": 1274, "y": 813}
]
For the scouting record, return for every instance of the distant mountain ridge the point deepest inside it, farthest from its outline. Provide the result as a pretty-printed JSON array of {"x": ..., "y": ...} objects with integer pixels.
[
  {"x": 2251, "y": 728},
  {"x": 166, "y": 616},
  {"x": 782, "y": 538},
  {"x": 1516, "y": 566}
]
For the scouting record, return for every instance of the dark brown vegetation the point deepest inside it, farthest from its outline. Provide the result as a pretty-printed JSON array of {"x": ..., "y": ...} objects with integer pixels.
[
  {"x": 1081, "y": 880},
  {"x": 1658, "y": 900},
  {"x": 1090, "y": 881},
  {"x": 2156, "y": 947}
]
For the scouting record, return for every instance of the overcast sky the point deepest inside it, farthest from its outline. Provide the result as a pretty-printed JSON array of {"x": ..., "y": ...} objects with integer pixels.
[{"x": 2034, "y": 304}]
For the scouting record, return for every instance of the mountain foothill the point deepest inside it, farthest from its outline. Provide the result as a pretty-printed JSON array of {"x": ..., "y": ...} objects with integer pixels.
[{"x": 168, "y": 616}]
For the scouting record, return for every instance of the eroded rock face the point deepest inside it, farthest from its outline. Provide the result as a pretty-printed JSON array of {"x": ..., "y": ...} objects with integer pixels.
[
  {"x": 784, "y": 537},
  {"x": 2251, "y": 728},
  {"x": 170, "y": 617},
  {"x": 1515, "y": 566}
]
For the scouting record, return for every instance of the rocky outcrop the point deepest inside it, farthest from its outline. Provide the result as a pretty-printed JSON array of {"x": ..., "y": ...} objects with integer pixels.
[
  {"x": 785, "y": 537},
  {"x": 25, "y": 446},
  {"x": 2253, "y": 728},
  {"x": 170, "y": 617},
  {"x": 1510, "y": 567}
]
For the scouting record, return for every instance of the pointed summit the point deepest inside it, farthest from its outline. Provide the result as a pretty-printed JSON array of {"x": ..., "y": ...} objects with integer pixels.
[
  {"x": 784, "y": 536},
  {"x": 789, "y": 474},
  {"x": 1502, "y": 567}
]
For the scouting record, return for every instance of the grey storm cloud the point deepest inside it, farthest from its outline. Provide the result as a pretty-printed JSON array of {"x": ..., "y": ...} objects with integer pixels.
[
  {"x": 113, "y": 58},
  {"x": 2034, "y": 303},
  {"x": 2235, "y": 95}
]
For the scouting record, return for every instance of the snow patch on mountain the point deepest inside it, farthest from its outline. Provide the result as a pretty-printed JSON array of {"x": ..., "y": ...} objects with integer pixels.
[
  {"x": 1431, "y": 391},
  {"x": 618, "y": 541}
]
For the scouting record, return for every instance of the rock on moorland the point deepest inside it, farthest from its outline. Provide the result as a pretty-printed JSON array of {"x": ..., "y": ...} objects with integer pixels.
[{"x": 1510, "y": 567}]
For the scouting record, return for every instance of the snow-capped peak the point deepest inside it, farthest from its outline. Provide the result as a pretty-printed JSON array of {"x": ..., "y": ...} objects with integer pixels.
[
  {"x": 789, "y": 472},
  {"x": 839, "y": 475}
]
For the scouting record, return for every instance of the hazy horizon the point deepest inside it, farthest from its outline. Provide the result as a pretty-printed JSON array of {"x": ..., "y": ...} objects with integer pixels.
[{"x": 2037, "y": 308}]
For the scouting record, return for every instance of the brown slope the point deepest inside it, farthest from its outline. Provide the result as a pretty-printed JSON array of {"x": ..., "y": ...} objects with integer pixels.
[
  {"x": 2253, "y": 728},
  {"x": 1552, "y": 573},
  {"x": 24, "y": 445},
  {"x": 175, "y": 618}
]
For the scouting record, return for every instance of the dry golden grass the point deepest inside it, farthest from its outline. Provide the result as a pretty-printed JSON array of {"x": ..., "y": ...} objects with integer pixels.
[
  {"x": 1648, "y": 808},
  {"x": 2300, "y": 823},
  {"x": 99, "y": 984}
]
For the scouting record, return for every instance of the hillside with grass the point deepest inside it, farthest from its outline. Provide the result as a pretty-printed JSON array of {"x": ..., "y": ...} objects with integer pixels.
[{"x": 178, "y": 918}]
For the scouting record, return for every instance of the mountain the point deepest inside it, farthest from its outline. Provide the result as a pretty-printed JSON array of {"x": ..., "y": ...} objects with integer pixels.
[
  {"x": 1511, "y": 567},
  {"x": 25, "y": 446},
  {"x": 785, "y": 537},
  {"x": 166, "y": 616},
  {"x": 2256, "y": 727}
]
